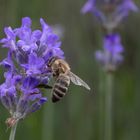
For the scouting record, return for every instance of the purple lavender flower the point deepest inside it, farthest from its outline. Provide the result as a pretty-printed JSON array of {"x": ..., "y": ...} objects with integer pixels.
[
  {"x": 34, "y": 65},
  {"x": 111, "y": 55},
  {"x": 9, "y": 42},
  {"x": 26, "y": 66},
  {"x": 110, "y": 13}
]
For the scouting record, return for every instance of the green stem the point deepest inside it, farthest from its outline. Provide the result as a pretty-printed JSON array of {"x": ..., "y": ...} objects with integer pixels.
[
  {"x": 101, "y": 103},
  {"x": 108, "y": 106},
  {"x": 13, "y": 131}
]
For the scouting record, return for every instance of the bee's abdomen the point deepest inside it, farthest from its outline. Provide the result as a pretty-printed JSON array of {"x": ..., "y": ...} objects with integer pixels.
[{"x": 60, "y": 87}]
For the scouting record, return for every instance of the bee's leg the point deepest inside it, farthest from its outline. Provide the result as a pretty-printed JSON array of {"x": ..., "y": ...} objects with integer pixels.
[{"x": 44, "y": 86}]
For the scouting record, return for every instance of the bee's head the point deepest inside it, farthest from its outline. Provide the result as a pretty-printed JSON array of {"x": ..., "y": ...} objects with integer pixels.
[{"x": 51, "y": 61}]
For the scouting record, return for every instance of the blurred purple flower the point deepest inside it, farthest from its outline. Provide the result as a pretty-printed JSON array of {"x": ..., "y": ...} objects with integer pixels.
[
  {"x": 89, "y": 6},
  {"x": 110, "y": 13},
  {"x": 26, "y": 66},
  {"x": 111, "y": 56}
]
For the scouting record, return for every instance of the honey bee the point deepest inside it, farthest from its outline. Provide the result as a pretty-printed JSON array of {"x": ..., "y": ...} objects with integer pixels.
[{"x": 63, "y": 75}]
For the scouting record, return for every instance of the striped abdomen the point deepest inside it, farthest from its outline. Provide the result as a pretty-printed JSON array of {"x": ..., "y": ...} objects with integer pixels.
[{"x": 60, "y": 87}]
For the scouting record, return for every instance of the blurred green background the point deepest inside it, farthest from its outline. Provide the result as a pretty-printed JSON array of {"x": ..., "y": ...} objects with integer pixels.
[{"x": 80, "y": 115}]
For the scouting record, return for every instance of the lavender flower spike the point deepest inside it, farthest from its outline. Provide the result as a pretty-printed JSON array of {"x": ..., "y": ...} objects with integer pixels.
[
  {"x": 111, "y": 55},
  {"x": 26, "y": 67},
  {"x": 110, "y": 13}
]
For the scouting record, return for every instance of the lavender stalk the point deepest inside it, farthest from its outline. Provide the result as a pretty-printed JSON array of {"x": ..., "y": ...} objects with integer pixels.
[
  {"x": 109, "y": 58},
  {"x": 13, "y": 132},
  {"x": 108, "y": 106},
  {"x": 101, "y": 104}
]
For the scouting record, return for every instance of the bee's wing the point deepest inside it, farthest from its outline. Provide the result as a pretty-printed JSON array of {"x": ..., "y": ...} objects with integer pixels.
[{"x": 78, "y": 81}]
